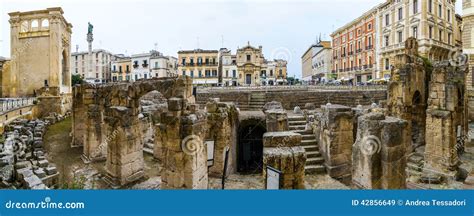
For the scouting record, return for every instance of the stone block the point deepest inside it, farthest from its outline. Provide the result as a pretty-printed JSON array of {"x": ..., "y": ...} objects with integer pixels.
[
  {"x": 32, "y": 181},
  {"x": 51, "y": 170},
  {"x": 281, "y": 139}
]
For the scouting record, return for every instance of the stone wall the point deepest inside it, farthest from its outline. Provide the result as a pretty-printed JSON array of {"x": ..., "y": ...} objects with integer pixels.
[
  {"x": 106, "y": 122},
  {"x": 291, "y": 98}
]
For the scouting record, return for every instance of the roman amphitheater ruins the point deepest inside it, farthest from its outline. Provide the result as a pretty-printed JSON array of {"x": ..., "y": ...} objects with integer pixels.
[{"x": 166, "y": 134}]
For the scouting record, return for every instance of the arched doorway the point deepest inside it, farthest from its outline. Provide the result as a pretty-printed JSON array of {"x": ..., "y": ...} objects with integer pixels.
[
  {"x": 250, "y": 147},
  {"x": 417, "y": 120}
]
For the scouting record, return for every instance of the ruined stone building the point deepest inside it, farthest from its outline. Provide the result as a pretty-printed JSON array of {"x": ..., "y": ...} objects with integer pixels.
[{"x": 40, "y": 58}]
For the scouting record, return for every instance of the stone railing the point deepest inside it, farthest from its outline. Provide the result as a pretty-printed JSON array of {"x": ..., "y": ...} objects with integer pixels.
[
  {"x": 296, "y": 87},
  {"x": 7, "y": 104}
]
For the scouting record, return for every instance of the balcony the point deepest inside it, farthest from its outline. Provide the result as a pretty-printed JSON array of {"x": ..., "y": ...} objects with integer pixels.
[
  {"x": 144, "y": 65},
  {"x": 135, "y": 65},
  {"x": 369, "y": 47}
]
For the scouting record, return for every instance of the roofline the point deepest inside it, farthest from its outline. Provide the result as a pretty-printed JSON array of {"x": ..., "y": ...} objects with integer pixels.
[{"x": 366, "y": 14}]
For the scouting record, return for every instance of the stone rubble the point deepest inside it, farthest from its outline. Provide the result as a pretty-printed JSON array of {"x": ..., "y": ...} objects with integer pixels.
[{"x": 23, "y": 163}]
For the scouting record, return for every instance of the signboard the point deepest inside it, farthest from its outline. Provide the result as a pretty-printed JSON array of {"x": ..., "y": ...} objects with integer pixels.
[
  {"x": 273, "y": 180},
  {"x": 210, "y": 152}
]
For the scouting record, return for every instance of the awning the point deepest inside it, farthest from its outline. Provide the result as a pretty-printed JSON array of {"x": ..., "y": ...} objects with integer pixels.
[{"x": 200, "y": 81}]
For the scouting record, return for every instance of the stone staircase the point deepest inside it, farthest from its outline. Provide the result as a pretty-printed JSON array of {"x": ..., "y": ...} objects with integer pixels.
[
  {"x": 257, "y": 101},
  {"x": 314, "y": 161},
  {"x": 414, "y": 165}
]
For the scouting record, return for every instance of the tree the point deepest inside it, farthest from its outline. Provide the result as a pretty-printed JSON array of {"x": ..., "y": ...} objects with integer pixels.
[{"x": 76, "y": 79}]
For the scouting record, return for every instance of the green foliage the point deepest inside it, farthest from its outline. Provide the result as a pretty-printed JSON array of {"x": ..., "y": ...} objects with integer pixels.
[
  {"x": 76, "y": 79},
  {"x": 427, "y": 64},
  {"x": 77, "y": 183},
  {"x": 293, "y": 81}
]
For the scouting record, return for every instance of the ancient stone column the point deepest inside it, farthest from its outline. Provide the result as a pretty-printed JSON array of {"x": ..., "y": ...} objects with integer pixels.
[
  {"x": 446, "y": 119},
  {"x": 124, "y": 150},
  {"x": 95, "y": 146},
  {"x": 282, "y": 151},
  {"x": 79, "y": 116},
  {"x": 222, "y": 123},
  {"x": 378, "y": 154},
  {"x": 336, "y": 139},
  {"x": 277, "y": 120},
  {"x": 184, "y": 154}
]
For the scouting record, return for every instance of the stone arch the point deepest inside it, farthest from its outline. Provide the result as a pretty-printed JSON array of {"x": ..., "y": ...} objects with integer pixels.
[
  {"x": 34, "y": 25},
  {"x": 111, "y": 114},
  {"x": 44, "y": 24},
  {"x": 25, "y": 27},
  {"x": 250, "y": 146}
]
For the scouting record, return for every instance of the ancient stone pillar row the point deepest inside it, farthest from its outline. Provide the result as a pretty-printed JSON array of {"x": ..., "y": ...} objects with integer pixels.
[
  {"x": 222, "y": 123},
  {"x": 336, "y": 138},
  {"x": 378, "y": 154},
  {"x": 277, "y": 120},
  {"x": 283, "y": 152},
  {"x": 184, "y": 153},
  {"x": 124, "y": 150}
]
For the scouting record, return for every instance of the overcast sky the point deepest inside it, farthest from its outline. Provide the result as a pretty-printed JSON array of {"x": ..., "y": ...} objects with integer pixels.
[{"x": 285, "y": 28}]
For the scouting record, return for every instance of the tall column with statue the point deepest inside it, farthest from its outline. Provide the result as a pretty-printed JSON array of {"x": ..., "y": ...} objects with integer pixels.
[{"x": 90, "y": 38}]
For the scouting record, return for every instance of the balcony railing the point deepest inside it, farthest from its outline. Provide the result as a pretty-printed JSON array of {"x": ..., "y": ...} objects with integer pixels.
[{"x": 7, "y": 104}]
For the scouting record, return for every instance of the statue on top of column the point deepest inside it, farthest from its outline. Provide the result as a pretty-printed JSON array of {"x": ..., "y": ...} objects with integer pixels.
[{"x": 90, "y": 28}]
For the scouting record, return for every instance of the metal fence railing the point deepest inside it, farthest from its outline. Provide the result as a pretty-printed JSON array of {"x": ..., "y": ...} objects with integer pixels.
[{"x": 7, "y": 104}]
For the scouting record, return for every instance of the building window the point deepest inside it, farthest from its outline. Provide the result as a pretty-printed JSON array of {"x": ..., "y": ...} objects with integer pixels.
[
  {"x": 200, "y": 73},
  {"x": 400, "y": 13},
  {"x": 184, "y": 73},
  {"x": 183, "y": 61},
  {"x": 449, "y": 38},
  {"x": 440, "y": 11},
  {"x": 430, "y": 32},
  {"x": 430, "y": 6},
  {"x": 415, "y": 6},
  {"x": 387, "y": 19},
  {"x": 387, "y": 64},
  {"x": 400, "y": 36},
  {"x": 415, "y": 32},
  {"x": 248, "y": 58},
  {"x": 440, "y": 36},
  {"x": 449, "y": 15},
  {"x": 234, "y": 73},
  {"x": 34, "y": 25},
  {"x": 387, "y": 42},
  {"x": 369, "y": 26},
  {"x": 192, "y": 73}
]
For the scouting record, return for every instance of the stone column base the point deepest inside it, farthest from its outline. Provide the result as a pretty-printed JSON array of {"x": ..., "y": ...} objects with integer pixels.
[{"x": 115, "y": 182}]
